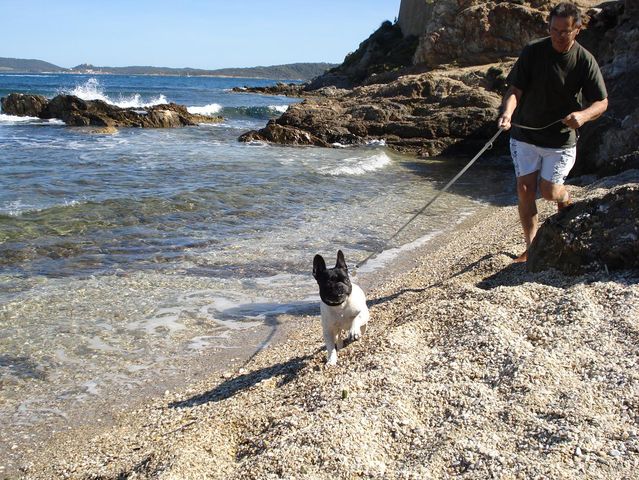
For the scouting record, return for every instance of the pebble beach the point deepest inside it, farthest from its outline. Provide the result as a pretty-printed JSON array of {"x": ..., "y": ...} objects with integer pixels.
[{"x": 471, "y": 367}]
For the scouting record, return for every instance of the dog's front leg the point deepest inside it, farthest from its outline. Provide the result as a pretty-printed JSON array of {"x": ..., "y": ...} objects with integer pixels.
[
  {"x": 358, "y": 327},
  {"x": 331, "y": 350}
]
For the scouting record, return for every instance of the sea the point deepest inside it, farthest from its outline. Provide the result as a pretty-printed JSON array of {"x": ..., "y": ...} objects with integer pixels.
[{"x": 134, "y": 262}]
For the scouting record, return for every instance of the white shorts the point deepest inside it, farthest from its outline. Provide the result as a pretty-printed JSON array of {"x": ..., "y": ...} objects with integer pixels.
[{"x": 554, "y": 163}]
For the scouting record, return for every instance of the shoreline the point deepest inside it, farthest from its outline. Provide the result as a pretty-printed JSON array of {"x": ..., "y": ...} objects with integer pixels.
[
  {"x": 242, "y": 346},
  {"x": 471, "y": 365}
]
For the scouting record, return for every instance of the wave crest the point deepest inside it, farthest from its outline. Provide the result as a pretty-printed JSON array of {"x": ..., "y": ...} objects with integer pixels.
[
  {"x": 92, "y": 90},
  {"x": 359, "y": 165}
]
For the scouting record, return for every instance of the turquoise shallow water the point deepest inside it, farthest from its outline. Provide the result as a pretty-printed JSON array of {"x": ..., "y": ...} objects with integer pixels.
[{"x": 124, "y": 256}]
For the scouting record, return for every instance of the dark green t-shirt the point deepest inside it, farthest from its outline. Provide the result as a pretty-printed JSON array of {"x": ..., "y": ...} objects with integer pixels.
[{"x": 553, "y": 85}]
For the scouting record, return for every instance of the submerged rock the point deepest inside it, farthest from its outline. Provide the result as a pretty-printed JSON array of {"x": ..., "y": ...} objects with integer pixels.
[
  {"x": 83, "y": 113},
  {"x": 600, "y": 233}
]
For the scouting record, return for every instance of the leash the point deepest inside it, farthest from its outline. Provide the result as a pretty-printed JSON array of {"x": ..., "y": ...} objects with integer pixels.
[
  {"x": 488, "y": 145},
  {"x": 535, "y": 128}
]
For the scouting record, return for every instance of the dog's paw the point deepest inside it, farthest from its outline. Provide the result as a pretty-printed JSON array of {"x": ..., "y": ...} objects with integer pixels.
[
  {"x": 331, "y": 361},
  {"x": 354, "y": 335}
]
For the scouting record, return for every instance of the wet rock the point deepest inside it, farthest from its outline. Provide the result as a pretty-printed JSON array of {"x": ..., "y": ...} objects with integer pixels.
[
  {"x": 83, "y": 113},
  {"x": 283, "y": 134},
  {"x": 23, "y": 105},
  {"x": 600, "y": 233},
  {"x": 288, "y": 89}
]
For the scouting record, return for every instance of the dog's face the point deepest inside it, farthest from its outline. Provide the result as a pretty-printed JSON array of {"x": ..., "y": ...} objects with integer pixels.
[{"x": 334, "y": 284}]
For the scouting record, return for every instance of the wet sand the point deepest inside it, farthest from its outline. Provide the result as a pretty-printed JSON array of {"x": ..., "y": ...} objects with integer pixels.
[{"x": 471, "y": 367}]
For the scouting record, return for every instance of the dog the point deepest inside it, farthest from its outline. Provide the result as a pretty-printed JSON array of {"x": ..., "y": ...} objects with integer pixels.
[{"x": 342, "y": 307}]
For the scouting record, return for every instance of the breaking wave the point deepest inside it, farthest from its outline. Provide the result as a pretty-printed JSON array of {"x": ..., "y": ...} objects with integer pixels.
[
  {"x": 92, "y": 90},
  {"x": 359, "y": 165}
]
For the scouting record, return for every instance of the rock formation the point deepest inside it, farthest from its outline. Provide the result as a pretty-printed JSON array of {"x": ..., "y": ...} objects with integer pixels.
[
  {"x": 441, "y": 96},
  {"x": 455, "y": 33},
  {"x": 82, "y": 113},
  {"x": 440, "y": 111},
  {"x": 599, "y": 233},
  {"x": 613, "y": 140}
]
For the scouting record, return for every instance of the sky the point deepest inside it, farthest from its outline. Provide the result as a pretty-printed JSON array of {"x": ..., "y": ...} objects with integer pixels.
[{"x": 188, "y": 33}]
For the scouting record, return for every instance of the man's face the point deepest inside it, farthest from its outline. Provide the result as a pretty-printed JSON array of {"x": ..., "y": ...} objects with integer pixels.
[{"x": 562, "y": 33}]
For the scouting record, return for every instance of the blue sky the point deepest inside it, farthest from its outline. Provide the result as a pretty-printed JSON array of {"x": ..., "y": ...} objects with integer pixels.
[{"x": 188, "y": 33}]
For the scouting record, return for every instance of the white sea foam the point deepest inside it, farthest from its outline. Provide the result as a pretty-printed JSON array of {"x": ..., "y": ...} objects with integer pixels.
[
  {"x": 9, "y": 119},
  {"x": 376, "y": 143},
  {"x": 92, "y": 90},
  {"x": 210, "y": 109},
  {"x": 359, "y": 165},
  {"x": 15, "y": 119},
  {"x": 383, "y": 258},
  {"x": 279, "y": 108}
]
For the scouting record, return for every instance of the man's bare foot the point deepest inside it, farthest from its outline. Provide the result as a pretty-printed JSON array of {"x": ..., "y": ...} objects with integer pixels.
[
  {"x": 562, "y": 205},
  {"x": 521, "y": 258}
]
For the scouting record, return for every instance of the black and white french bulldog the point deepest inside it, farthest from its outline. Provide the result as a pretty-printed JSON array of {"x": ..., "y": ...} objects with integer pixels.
[{"x": 343, "y": 306}]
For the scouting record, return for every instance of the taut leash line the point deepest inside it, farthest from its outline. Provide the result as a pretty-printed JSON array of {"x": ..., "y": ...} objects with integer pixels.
[
  {"x": 488, "y": 145},
  {"x": 535, "y": 128}
]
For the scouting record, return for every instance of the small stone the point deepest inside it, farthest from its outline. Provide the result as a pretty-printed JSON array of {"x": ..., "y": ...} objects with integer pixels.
[
  {"x": 578, "y": 452},
  {"x": 615, "y": 453},
  {"x": 344, "y": 394}
]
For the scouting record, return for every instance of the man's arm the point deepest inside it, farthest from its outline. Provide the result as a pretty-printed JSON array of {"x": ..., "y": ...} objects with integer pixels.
[
  {"x": 575, "y": 120},
  {"x": 508, "y": 105}
]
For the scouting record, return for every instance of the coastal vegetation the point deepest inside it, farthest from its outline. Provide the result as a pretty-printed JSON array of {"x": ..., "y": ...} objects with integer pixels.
[{"x": 291, "y": 71}]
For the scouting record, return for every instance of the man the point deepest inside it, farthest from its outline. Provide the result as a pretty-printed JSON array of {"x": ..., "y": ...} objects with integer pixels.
[{"x": 546, "y": 87}]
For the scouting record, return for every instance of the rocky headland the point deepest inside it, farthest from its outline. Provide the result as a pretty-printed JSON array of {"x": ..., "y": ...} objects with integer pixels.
[
  {"x": 96, "y": 113},
  {"x": 431, "y": 83}
]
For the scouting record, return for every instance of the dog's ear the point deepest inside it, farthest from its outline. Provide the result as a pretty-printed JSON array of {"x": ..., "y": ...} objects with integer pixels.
[
  {"x": 341, "y": 262},
  {"x": 319, "y": 265}
]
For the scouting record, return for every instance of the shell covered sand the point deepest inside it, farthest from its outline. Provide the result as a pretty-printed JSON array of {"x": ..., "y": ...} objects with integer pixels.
[{"x": 471, "y": 368}]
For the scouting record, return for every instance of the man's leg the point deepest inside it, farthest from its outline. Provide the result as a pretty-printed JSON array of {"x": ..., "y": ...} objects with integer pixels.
[
  {"x": 554, "y": 192},
  {"x": 555, "y": 167},
  {"x": 527, "y": 194}
]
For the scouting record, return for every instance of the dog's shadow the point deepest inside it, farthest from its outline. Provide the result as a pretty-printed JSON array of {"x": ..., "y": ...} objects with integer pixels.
[{"x": 284, "y": 372}]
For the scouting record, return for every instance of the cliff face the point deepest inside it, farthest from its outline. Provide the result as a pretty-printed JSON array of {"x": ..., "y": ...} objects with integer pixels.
[{"x": 414, "y": 16}]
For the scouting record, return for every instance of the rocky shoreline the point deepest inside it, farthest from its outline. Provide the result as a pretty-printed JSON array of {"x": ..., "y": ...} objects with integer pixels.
[
  {"x": 76, "y": 112},
  {"x": 471, "y": 367},
  {"x": 439, "y": 94}
]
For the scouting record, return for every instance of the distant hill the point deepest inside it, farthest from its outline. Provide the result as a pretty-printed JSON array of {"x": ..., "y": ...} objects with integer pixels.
[
  {"x": 291, "y": 71},
  {"x": 21, "y": 65}
]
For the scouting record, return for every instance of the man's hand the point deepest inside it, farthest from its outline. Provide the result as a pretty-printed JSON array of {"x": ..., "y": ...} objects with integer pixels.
[
  {"x": 574, "y": 120},
  {"x": 504, "y": 121},
  {"x": 508, "y": 106}
]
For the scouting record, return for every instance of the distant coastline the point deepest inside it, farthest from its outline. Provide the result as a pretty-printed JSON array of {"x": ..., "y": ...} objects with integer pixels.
[{"x": 293, "y": 71}]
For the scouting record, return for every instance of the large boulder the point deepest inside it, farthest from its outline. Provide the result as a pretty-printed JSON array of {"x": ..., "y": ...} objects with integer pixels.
[
  {"x": 613, "y": 36},
  {"x": 77, "y": 112},
  {"x": 594, "y": 234},
  {"x": 282, "y": 134},
  {"x": 23, "y": 105},
  {"x": 474, "y": 32}
]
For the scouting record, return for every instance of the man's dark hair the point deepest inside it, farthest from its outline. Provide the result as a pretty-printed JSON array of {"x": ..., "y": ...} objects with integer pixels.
[{"x": 566, "y": 10}]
